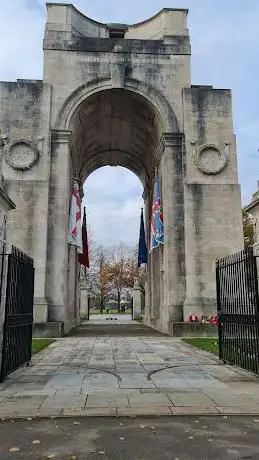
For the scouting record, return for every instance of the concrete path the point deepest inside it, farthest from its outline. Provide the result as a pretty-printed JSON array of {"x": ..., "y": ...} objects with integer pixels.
[
  {"x": 114, "y": 325},
  {"x": 175, "y": 438},
  {"x": 127, "y": 376},
  {"x": 110, "y": 318}
]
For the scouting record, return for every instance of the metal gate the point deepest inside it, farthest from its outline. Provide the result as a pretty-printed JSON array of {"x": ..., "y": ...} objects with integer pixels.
[
  {"x": 17, "y": 292},
  {"x": 238, "y": 309}
]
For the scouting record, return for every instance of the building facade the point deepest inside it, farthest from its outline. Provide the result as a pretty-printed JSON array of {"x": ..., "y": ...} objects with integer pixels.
[{"x": 117, "y": 94}]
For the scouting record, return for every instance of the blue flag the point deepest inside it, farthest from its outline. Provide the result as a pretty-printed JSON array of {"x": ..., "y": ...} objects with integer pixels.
[
  {"x": 157, "y": 223},
  {"x": 142, "y": 247}
]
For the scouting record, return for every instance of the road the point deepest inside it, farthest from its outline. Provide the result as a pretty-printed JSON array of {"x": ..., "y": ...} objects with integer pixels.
[{"x": 161, "y": 438}]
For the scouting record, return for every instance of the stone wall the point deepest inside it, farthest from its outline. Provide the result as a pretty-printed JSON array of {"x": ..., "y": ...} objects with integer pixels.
[
  {"x": 24, "y": 123},
  {"x": 163, "y": 64},
  {"x": 213, "y": 218}
]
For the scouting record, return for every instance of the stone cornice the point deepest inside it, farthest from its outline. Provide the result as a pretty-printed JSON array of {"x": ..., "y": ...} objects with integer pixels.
[
  {"x": 181, "y": 46},
  {"x": 172, "y": 139},
  {"x": 59, "y": 136}
]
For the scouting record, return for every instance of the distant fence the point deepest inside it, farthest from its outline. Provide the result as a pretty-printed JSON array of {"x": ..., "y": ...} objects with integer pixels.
[{"x": 238, "y": 309}]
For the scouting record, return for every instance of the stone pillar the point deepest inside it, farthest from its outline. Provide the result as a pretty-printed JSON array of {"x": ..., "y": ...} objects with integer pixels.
[
  {"x": 84, "y": 303},
  {"x": 148, "y": 286},
  {"x": 155, "y": 285},
  {"x": 28, "y": 225},
  {"x": 72, "y": 282},
  {"x": 173, "y": 211},
  {"x": 136, "y": 294},
  {"x": 256, "y": 254},
  {"x": 60, "y": 187},
  {"x": 142, "y": 301},
  {"x": 147, "y": 301}
]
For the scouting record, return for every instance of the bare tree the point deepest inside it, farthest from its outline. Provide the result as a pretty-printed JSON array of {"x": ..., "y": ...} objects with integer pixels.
[
  {"x": 116, "y": 271},
  {"x": 112, "y": 272},
  {"x": 123, "y": 270},
  {"x": 96, "y": 277},
  {"x": 248, "y": 229}
]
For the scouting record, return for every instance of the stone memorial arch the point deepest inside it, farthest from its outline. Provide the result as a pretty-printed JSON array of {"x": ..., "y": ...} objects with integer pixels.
[{"x": 115, "y": 94}]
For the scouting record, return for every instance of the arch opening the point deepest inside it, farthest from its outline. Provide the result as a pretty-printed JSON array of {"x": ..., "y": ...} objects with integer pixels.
[
  {"x": 114, "y": 196},
  {"x": 118, "y": 127},
  {"x": 115, "y": 127}
]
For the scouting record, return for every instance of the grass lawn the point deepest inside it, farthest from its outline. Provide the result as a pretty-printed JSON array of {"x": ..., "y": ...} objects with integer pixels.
[
  {"x": 40, "y": 344},
  {"x": 204, "y": 343}
]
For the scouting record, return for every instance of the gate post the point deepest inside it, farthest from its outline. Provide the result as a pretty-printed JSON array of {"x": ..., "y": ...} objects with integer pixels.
[
  {"x": 84, "y": 303},
  {"x": 256, "y": 255},
  {"x": 256, "y": 268},
  {"x": 3, "y": 288},
  {"x": 219, "y": 307},
  {"x": 136, "y": 304}
]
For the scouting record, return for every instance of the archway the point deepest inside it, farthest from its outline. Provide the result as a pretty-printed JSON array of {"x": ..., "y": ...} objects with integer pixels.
[
  {"x": 113, "y": 198},
  {"x": 116, "y": 126}
]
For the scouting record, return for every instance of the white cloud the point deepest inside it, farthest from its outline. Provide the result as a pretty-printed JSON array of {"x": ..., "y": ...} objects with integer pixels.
[{"x": 113, "y": 198}]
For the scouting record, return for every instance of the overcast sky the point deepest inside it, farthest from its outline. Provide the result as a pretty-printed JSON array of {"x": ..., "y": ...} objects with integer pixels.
[{"x": 225, "y": 44}]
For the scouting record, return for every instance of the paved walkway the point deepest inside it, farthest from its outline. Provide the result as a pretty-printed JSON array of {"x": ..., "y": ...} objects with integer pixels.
[
  {"x": 127, "y": 376},
  {"x": 114, "y": 325},
  {"x": 111, "y": 318}
]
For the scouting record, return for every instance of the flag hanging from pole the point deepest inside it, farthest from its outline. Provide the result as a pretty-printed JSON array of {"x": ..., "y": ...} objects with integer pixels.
[
  {"x": 74, "y": 228},
  {"x": 157, "y": 224},
  {"x": 142, "y": 247},
  {"x": 84, "y": 256}
]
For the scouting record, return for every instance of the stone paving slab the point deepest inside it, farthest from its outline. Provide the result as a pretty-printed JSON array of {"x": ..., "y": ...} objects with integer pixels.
[
  {"x": 131, "y": 376},
  {"x": 195, "y": 410},
  {"x": 148, "y": 399},
  {"x": 91, "y": 412},
  {"x": 107, "y": 400},
  {"x": 190, "y": 399},
  {"x": 143, "y": 411}
]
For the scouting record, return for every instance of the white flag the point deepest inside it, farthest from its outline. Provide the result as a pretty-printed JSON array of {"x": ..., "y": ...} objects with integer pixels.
[{"x": 75, "y": 228}]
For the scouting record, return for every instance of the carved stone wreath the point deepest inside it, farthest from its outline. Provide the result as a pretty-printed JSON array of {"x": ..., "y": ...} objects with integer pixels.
[
  {"x": 210, "y": 159},
  {"x": 22, "y": 154}
]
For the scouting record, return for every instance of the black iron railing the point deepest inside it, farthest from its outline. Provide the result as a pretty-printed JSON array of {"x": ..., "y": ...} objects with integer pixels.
[
  {"x": 238, "y": 309},
  {"x": 18, "y": 311}
]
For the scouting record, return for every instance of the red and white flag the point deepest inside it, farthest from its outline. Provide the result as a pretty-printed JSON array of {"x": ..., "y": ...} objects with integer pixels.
[{"x": 75, "y": 228}]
